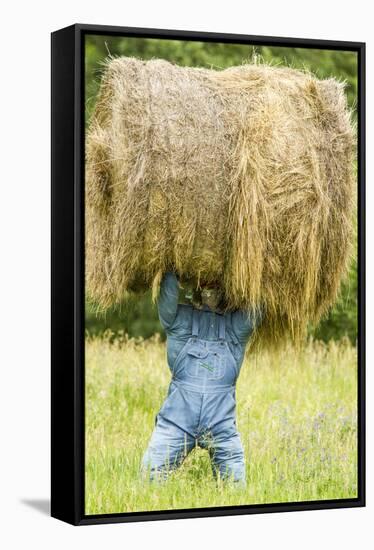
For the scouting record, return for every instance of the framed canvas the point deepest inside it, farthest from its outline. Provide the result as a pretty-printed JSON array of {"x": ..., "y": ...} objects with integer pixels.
[{"x": 208, "y": 263}]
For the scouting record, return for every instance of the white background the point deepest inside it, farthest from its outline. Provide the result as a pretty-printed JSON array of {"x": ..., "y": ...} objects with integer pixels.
[{"x": 25, "y": 273}]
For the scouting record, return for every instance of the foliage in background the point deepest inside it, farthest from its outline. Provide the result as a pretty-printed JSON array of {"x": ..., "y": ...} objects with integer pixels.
[
  {"x": 323, "y": 63},
  {"x": 139, "y": 317}
]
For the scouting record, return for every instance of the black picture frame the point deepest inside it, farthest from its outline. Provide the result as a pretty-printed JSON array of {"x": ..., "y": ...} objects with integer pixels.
[{"x": 67, "y": 174}]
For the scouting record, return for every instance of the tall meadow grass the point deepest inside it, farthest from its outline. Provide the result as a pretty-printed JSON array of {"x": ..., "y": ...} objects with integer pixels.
[{"x": 296, "y": 415}]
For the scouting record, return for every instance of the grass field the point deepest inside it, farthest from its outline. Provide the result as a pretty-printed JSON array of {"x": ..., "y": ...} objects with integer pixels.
[{"x": 296, "y": 415}]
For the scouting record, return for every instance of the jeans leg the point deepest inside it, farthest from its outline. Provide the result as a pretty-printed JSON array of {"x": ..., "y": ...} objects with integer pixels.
[
  {"x": 227, "y": 455},
  {"x": 168, "y": 447}
]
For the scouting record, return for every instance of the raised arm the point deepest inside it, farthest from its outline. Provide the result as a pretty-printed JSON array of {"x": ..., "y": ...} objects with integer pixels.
[
  {"x": 167, "y": 302},
  {"x": 244, "y": 324}
]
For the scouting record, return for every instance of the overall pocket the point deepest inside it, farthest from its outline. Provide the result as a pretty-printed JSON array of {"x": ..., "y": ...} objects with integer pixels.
[{"x": 205, "y": 364}]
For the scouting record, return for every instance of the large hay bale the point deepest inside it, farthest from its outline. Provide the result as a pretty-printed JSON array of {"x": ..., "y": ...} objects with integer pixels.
[{"x": 241, "y": 176}]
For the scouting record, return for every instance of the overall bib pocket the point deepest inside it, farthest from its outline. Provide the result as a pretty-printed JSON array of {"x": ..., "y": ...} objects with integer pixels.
[{"x": 204, "y": 364}]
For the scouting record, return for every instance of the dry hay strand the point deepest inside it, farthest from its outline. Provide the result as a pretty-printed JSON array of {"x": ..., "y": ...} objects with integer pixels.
[{"x": 241, "y": 177}]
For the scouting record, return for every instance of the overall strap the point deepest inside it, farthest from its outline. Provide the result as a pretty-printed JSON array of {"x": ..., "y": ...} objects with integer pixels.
[
  {"x": 233, "y": 335},
  {"x": 195, "y": 322},
  {"x": 221, "y": 327}
]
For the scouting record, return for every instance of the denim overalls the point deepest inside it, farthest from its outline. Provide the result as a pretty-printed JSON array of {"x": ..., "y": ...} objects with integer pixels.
[{"x": 200, "y": 405}]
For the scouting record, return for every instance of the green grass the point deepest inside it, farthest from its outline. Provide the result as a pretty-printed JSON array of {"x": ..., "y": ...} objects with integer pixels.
[{"x": 296, "y": 416}]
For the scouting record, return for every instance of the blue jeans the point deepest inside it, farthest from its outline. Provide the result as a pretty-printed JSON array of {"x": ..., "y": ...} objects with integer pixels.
[
  {"x": 170, "y": 443},
  {"x": 199, "y": 410}
]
